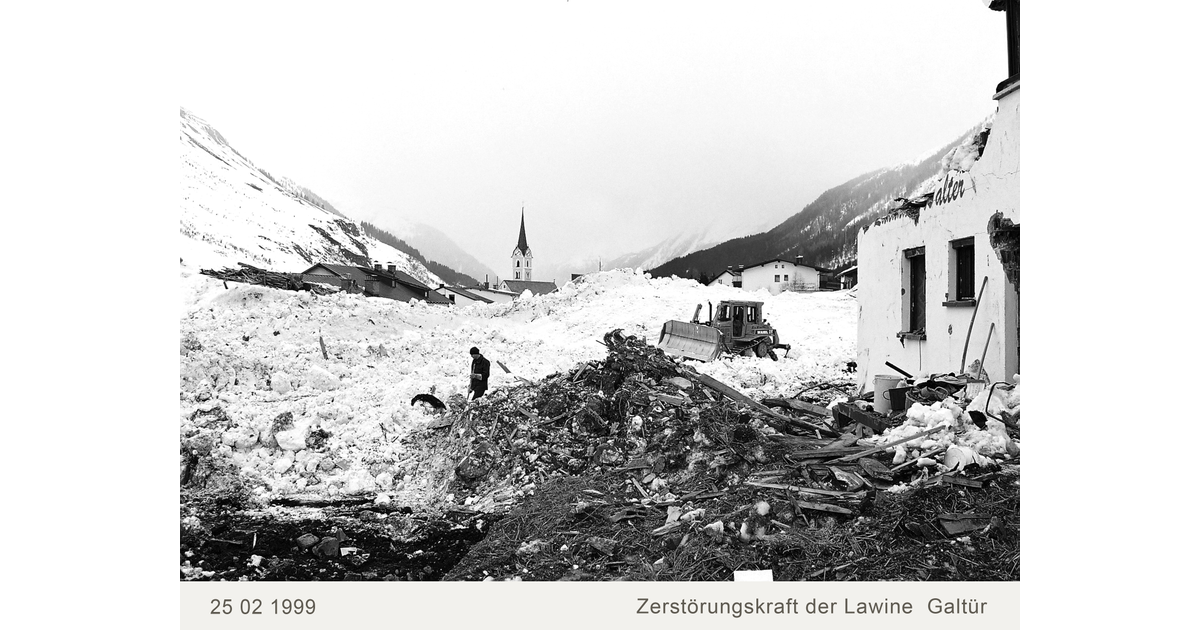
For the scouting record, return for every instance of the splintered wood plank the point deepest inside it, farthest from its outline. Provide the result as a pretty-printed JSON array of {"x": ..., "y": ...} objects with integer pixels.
[
  {"x": 853, "y": 496},
  {"x": 866, "y": 419},
  {"x": 877, "y": 449},
  {"x": 874, "y": 468},
  {"x": 735, "y": 395},
  {"x": 801, "y": 405},
  {"x": 962, "y": 481},
  {"x": 828, "y": 452},
  {"x": 823, "y": 507}
]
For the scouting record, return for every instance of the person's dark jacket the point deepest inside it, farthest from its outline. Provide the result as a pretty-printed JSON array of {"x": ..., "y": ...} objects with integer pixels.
[{"x": 483, "y": 368}]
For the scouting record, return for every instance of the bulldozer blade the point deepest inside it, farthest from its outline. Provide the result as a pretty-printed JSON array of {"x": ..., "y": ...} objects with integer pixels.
[{"x": 688, "y": 340}]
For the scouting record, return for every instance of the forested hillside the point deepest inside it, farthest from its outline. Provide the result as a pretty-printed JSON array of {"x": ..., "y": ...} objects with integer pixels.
[
  {"x": 825, "y": 232},
  {"x": 444, "y": 272}
]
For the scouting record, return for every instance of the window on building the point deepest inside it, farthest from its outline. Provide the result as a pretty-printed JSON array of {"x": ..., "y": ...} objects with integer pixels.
[
  {"x": 518, "y": 263},
  {"x": 914, "y": 279},
  {"x": 962, "y": 269},
  {"x": 785, "y": 277},
  {"x": 776, "y": 277},
  {"x": 518, "y": 276}
]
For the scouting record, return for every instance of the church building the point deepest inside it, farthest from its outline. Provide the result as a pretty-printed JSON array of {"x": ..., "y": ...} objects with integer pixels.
[
  {"x": 522, "y": 268},
  {"x": 522, "y": 256}
]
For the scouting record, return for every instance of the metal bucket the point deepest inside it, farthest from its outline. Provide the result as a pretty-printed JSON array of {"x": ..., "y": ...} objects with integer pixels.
[
  {"x": 883, "y": 383},
  {"x": 898, "y": 397}
]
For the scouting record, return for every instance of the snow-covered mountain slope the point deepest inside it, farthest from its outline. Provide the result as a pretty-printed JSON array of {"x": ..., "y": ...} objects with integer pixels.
[
  {"x": 825, "y": 231},
  {"x": 674, "y": 247},
  {"x": 232, "y": 211},
  {"x": 696, "y": 238}
]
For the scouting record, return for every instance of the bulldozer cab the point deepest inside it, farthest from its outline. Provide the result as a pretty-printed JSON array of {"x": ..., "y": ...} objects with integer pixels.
[{"x": 738, "y": 319}]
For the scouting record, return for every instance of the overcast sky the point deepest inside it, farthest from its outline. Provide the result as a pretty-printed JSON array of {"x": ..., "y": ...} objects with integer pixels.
[{"x": 617, "y": 124}]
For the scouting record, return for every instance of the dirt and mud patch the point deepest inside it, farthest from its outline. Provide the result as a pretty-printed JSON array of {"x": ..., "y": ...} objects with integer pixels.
[{"x": 331, "y": 542}]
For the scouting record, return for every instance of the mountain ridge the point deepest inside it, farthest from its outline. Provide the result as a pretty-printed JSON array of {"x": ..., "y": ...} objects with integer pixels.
[
  {"x": 825, "y": 231},
  {"x": 233, "y": 211}
]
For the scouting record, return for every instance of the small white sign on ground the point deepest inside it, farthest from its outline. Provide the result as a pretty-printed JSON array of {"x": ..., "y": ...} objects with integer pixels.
[{"x": 763, "y": 575}]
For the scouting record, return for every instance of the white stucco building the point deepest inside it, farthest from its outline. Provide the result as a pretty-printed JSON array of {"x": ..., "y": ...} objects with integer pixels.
[
  {"x": 729, "y": 278},
  {"x": 778, "y": 275},
  {"x": 927, "y": 266}
]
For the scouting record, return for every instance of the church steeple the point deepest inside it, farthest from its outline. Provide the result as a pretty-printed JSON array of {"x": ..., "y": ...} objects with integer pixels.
[
  {"x": 522, "y": 256},
  {"x": 522, "y": 245}
]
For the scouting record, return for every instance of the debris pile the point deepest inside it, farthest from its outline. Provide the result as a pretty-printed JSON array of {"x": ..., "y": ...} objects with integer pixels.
[
  {"x": 632, "y": 465},
  {"x": 250, "y": 274}
]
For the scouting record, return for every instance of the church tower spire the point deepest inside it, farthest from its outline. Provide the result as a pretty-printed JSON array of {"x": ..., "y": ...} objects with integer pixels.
[{"x": 522, "y": 255}]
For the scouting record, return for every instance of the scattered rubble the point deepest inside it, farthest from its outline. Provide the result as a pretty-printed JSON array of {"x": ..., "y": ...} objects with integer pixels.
[
  {"x": 639, "y": 467},
  {"x": 623, "y": 464},
  {"x": 253, "y": 275}
]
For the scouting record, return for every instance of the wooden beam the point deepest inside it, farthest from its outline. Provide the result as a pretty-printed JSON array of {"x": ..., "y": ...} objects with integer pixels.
[
  {"x": 801, "y": 489},
  {"x": 737, "y": 396},
  {"x": 824, "y": 507},
  {"x": 857, "y": 415},
  {"x": 850, "y": 458},
  {"x": 828, "y": 452},
  {"x": 798, "y": 405},
  {"x": 962, "y": 481}
]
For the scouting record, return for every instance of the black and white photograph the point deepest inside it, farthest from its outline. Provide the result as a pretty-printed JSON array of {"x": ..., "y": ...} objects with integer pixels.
[{"x": 601, "y": 291}]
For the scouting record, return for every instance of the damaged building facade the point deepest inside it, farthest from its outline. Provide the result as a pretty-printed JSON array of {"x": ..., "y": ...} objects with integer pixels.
[{"x": 939, "y": 275}]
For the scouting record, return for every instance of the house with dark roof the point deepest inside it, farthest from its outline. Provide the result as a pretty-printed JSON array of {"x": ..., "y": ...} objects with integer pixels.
[
  {"x": 460, "y": 295},
  {"x": 776, "y": 275},
  {"x": 490, "y": 292},
  {"x": 730, "y": 277},
  {"x": 848, "y": 277},
  {"x": 373, "y": 281}
]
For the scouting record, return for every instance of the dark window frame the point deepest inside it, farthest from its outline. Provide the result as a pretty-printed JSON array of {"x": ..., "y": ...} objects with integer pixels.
[
  {"x": 914, "y": 286},
  {"x": 962, "y": 252}
]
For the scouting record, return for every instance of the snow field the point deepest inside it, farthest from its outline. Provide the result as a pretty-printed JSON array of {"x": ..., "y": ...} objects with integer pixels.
[{"x": 255, "y": 352}]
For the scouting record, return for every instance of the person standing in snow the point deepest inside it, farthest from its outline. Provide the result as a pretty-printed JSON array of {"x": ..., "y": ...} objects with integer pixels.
[{"x": 481, "y": 368}]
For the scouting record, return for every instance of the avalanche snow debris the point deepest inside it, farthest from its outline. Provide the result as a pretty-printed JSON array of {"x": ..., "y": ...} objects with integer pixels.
[{"x": 643, "y": 427}]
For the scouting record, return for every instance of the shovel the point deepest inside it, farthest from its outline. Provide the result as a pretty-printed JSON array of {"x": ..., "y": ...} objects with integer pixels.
[{"x": 978, "y": 298}]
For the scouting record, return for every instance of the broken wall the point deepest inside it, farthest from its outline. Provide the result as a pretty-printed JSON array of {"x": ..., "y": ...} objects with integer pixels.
[{"x": 965, "y": 204}]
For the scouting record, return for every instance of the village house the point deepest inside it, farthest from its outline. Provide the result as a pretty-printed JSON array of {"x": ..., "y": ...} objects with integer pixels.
[
  {"x": 848, "y": 278},
  {"x": 778, "y": 275},
  {"x": 730, "y": 277},
  {"x": 373, "y": 281},
  {"x": 775, "y": 275},
  {"x": 939, "y": 274},
  {"x": 460, "y": 295},
  {"x": 490, "y": 292}
]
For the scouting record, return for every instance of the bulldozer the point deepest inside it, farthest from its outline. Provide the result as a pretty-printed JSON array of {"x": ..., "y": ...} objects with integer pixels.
[{"x": 739, "y": 328}]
